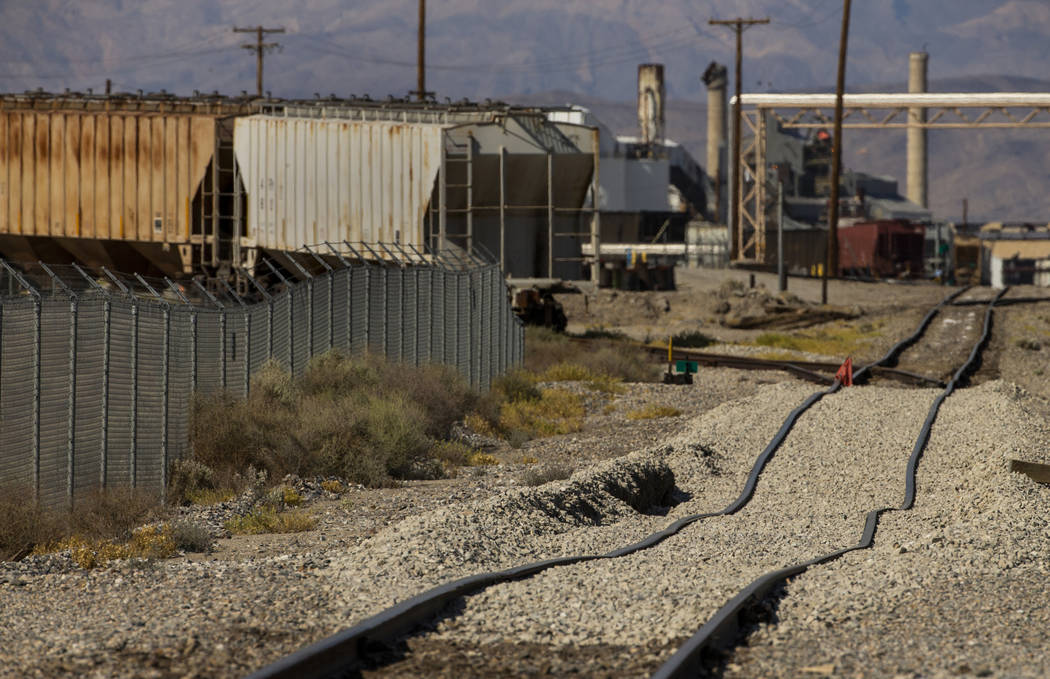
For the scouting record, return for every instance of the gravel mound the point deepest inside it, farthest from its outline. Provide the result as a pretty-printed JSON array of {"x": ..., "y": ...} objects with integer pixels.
[
  {"x": 593, "y": 512},
  {"x": 956, "y": 586},
  {"x": 517, "y": 527},
  {"x": 846, "y": 455}
]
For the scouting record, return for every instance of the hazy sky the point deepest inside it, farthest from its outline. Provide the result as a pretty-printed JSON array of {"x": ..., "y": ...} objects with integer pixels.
[{"x": 498, "y": 47}]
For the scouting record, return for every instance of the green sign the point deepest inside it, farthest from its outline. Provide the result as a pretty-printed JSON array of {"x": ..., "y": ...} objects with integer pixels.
[{"x": 687, "y": 367}]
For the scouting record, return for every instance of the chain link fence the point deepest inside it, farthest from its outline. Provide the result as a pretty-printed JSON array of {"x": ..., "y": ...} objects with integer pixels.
[{"x": 97, "y": 373}]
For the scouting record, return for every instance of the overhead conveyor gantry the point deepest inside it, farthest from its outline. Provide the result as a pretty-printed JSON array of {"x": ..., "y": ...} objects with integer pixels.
[{"x": 994, "y": 110}]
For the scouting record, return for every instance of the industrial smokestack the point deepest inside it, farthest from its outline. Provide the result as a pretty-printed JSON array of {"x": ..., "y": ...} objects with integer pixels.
[
  {"x": 651, "y": 97},
  {"x": 917, "y": 144},
  {"x": 715, "y": 78}
]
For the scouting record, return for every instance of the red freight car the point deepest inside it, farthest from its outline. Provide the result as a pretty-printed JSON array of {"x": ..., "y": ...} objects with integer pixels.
[{"x": 882, "y": 249}]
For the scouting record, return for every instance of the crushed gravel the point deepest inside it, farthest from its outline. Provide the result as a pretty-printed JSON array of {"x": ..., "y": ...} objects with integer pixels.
[{"x": 954, "y": 587}]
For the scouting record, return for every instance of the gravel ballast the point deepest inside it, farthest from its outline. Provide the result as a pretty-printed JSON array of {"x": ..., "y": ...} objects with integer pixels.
[
  {"x": 811, "y": 499},
  {"x": 955, "y": 587},
  {"x": 977, "y": 533}
]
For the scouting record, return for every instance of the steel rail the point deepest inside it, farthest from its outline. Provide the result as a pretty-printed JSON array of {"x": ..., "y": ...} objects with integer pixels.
[
  {"x": 809, "y": 370},
  {"x": 722, "y": 628},
  {"x": 352, "y": 646}
]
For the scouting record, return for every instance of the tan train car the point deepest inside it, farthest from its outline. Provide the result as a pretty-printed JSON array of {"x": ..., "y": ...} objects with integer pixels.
[{"x": 109, "y": 181}]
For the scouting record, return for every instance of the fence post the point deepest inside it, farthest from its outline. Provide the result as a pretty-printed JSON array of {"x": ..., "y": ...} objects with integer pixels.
[
  {"x": 291, "y": 326},
  {"x": 196, "y": 348},
  {"x": 309, "y": 309},
  {"x": 36, "y": 398},
  {"x": 247, "y": 353},
  {"x": 331, "y": 300},
  {"x": 106, "y": 315},
  {"x": 134, "y": 391},
  {"x": 165, "y": 408},
  {"x": 222, "y": 346}
]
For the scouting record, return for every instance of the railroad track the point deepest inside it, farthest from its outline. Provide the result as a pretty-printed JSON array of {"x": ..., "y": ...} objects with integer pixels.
[{"x": 373, "y": 638}]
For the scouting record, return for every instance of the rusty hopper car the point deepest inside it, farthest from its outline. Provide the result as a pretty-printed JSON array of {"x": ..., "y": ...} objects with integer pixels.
[
  {"x": 882, "y": 249},
  {"x": 114, "y": 181},
  {"x": 174, "y": 186}
]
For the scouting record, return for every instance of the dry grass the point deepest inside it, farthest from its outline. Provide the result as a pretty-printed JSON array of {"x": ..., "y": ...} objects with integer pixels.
[
  {"x": 25, "y": 524},
  {"x": 835, "y": 340},
  {"x": 611, "y": 357},
  {"x": 555, "y": 412},
  {"x": 104, "y": 521},
  {"x": 552, "y": 472},
  {"x": 148, "y": 542},
  {"x": 269, "y": 520}
]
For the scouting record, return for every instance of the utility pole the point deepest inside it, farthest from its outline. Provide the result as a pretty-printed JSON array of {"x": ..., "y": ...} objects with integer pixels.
[
  {"x": 421, "y": 55},
  {"x": 738, "y": 25},
  {"x": 259, "y": 48},
  {"x": 832, "y": 263}
]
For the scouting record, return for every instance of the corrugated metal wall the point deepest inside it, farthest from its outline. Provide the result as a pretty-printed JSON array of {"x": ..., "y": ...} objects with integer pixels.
[
  {"x": 95, "y": 390},
  {"x": 124, "y": 176},
  {"x": 311, "y": 180}
]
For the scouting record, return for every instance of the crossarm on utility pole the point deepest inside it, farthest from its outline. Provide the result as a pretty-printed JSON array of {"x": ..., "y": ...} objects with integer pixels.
[{"x": 259, "y": 47}]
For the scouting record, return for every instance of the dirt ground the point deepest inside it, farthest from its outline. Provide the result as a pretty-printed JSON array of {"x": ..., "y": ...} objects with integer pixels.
[
  {"x": 695, "y": 304},
  {"x": 1020, "y": 352}
]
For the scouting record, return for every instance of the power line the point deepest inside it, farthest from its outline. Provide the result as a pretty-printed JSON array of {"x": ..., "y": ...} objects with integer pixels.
[
  {"x": 259, "y": 48},
  {"x": 614, "y": 55},
  {"x": 811, "y": 14},
  {"x": 141, "y": 63}
]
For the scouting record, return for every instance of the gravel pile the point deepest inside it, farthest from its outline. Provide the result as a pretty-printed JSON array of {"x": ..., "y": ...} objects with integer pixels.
[
  {"x": 976, "y": 532},
  {"x": 955, "y": 587},
  {"x": 575, "y": 517},
  {"x": 839, "y": 462},
  {"x": 260, "y": 597}
]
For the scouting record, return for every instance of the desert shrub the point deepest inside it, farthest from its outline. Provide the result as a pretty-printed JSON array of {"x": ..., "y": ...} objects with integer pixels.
[
  {"x": 555, "y": 412},
  {"x": 633, "y": 365},
  {"x": 333, "y": 486},
  {"x": 364, "y": 419},
  {"x": 147, "y": 542},
  {"x": 516, "y": 385},
  {"x": 653, "y": 411},
  {"x": 566, "y": 372},
  {"x": 191, "y": 537},
  {"x": 452, "y": 453},
  {"x": 693, "y": 339},
  {"x": 443, "y": 395},
  {"x": 517, "y": 438},
  {"x": 281, "y": 497},
  {"x": 211, "y": 496},
  {"x": 547, "y": 473},
  {"x": 601, "y": 332},
  {"x": 332, "y": 375},
  {"x": 113, "y": 513},
  {"x": 189, "y": 479},
  {"x": 269, "y": 520},
  {"x": 834, "y": 340},
  {"x": 25, "y": 524},
  {"x": 479, "y": 459}
]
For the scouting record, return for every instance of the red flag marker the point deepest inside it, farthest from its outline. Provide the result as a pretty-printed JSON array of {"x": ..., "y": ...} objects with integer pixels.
[{"x": 845, "y": 373}]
